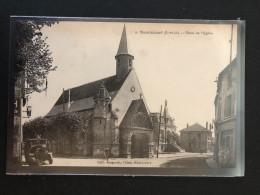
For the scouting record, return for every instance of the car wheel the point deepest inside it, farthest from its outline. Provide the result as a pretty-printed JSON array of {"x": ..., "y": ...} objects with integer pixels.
[{"x": 50, "y": 160}]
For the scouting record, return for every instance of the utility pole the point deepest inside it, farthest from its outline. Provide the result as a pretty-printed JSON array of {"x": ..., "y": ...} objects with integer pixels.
[
  {"x": 17, "y": 130},
  {"x": 63, "y": 100},
  {"x": 165, "y": 134},
  {"x": 231, "y": 41},
  {"x": 69, "y": 100},
  {"x": 165, "y": 124},
  {"x": 159, "y": 132}
]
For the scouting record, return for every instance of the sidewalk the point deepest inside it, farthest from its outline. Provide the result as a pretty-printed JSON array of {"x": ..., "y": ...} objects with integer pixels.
[
  {"x": 124, "y": 162},
  {"x": 211, "y": 163}
]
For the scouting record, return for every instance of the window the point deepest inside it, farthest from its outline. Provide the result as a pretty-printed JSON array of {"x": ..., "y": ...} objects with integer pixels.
[
  {"x": 231, "y": 143},
  {"x": 130, "y": 62},
  {"x": 232, "y": 104},
  {"x": 227, "y": 142},
  {"x": 118, "y": 62},
  {"x": 219, "y": 112},
  {"x": 228, "y": 107},
  {"x": 199, "y": 136},
  {"x": 229, "y": 81}
]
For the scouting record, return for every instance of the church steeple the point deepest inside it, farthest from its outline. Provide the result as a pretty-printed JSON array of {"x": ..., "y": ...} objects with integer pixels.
[
  {"x": 124, "y": 61},
  {"x": 122, "y": 49}
]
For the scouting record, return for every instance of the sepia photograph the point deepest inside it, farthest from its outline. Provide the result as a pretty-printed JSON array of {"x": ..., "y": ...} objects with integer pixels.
[{"x": 126, "y": 97}]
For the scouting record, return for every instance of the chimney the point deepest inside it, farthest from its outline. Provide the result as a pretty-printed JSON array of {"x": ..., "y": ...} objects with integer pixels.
[
  {"x": 207, "y": 125},
  {"x": 187, "y": 125}
]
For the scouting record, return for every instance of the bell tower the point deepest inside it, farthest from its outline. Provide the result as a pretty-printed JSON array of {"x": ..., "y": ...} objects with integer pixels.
[
  {"x": 124, "y": 61},
  {"x": 101, "y": 101},
  {"x": 101, "y": 122}
]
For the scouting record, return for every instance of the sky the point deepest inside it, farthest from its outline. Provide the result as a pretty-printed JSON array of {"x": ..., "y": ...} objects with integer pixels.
[{"x": 177, "y": 62}]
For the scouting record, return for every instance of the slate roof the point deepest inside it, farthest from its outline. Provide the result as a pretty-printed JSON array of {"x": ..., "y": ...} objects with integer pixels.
[
  {"x": 195, "y": 127},
  {"x": 132, "y": 110},
  {"x": 88, "y": 90},
  {"x": 83, "y": 104},
  {"x": 227, "y": 68},
  {"x": 81, "y": 97}
]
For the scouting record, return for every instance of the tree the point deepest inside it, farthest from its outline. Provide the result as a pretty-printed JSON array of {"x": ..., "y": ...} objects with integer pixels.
[
  {"x": 177, "y": 139},
  {"x": 172, "y": 139},
  {"x": 66, "y": 125},
  {"x": 32, "y": 64},
  {"x": 37, "y": 126},
  {"x": 63, "y": 125},
  {"x": 33, "y": 59}
]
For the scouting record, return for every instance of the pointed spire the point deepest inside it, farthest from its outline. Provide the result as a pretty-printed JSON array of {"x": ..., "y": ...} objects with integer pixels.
[
  {"x": 122, "y": 49},
  {"x": 166, "y": 112}
]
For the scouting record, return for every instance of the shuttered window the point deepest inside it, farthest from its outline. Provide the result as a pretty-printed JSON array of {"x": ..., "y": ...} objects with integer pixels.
[
  {"x": 228, "y": 107},
  {"x": 232, "y": 104}
]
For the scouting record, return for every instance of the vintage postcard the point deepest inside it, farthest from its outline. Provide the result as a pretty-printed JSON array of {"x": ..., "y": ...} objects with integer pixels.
[{"x": 126, "y": 97}]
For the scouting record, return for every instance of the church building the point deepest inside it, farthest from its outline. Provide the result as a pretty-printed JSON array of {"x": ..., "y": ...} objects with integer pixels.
[{"x": 117, "y": 113}]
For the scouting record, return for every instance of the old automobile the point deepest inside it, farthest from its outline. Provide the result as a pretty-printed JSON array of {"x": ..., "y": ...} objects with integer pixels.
[{"x": 37, "y": 151}]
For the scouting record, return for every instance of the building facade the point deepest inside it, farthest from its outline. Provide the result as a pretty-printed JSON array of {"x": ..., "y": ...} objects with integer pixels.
[
  {"x": 196, "y": 138},
  {"x": 117, "y": 117},
  {"x": 225, "y": 112},
  {"x": 166, "y": 124}
]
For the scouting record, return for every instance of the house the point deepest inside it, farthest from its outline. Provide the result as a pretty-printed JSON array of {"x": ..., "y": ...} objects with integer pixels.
[
  {"x": 196, "y": 138},
  {"x": 225, "y": 110},
  {"x": 116, "y": 112}
]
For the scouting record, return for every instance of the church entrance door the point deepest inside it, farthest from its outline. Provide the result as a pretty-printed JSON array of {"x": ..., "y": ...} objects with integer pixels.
[{"x": 140, "y": 145}]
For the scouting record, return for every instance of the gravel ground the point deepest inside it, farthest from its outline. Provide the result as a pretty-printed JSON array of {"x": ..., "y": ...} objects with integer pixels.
[{"x": 191, "y": 162}]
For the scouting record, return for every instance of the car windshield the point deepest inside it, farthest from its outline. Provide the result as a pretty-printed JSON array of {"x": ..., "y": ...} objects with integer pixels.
[
  {"x": 37, "y": 142},
  {"x": 37, "y": 150}
]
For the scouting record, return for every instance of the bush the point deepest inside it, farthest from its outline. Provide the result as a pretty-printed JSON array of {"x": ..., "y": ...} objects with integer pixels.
[
  {"x": 62, "y": 124},
  {"x": 171, "y": 148}
]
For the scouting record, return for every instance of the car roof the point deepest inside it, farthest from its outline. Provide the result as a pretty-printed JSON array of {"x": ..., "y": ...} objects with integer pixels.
[{"x": 38, "y": 139}]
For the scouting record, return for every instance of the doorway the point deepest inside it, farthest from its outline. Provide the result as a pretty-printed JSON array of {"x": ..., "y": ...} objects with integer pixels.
[{"x": 140, "y": 145}]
